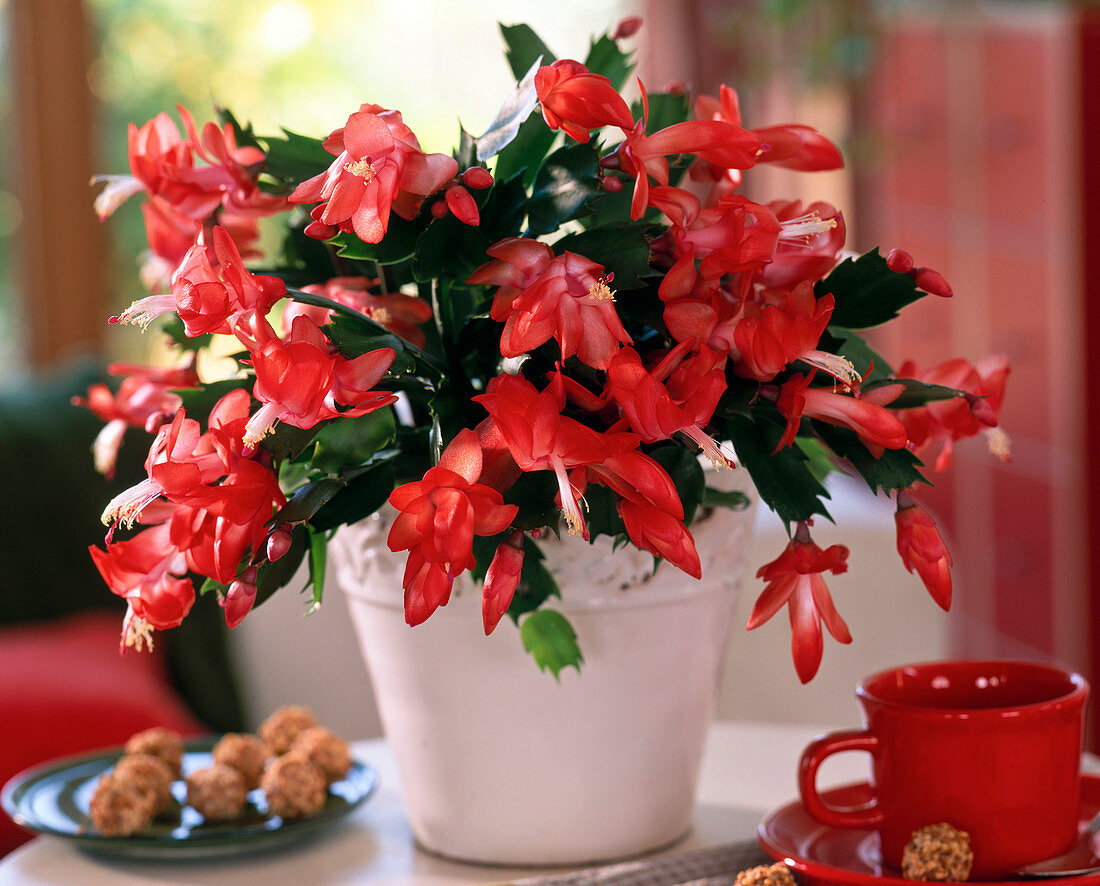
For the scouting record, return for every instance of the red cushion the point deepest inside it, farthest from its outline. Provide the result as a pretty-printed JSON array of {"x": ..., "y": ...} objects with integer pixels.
[{"x": 64, "y": 689}]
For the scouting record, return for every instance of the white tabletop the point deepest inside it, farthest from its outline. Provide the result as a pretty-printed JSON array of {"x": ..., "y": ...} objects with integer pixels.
[{"x": 748, "y": 769}]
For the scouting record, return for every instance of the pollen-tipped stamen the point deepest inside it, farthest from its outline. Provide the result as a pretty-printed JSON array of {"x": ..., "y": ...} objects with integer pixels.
[
  {"x": 600, "y": 291},
  {"x": 570, "y": 508},
  {"x": 712, "y": 449},
  {"x": 145, "y": 310},
  {"x": 838, "y": 367},
  {"x": 999, "y": 443},
  {"x": 805, "y": 226},
  {"x": 261, "y": 424},
  {"x": 127, "y": 506},
  {"x": 362, "y": 168},
  {"x": 137, "y": 633}
]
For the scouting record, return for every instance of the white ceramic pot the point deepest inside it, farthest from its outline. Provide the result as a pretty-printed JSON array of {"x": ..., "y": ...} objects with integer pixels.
[{"x": 500, "y": 762}]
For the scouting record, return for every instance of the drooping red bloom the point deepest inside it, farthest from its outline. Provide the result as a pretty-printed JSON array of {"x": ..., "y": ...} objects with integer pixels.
[
  {"x": 649, "y": 505},
  {"x": 440, "y": 515},
  {"x": 501, "y": 580},
  {"x": 301, "y": 380},
  {"x": 734, "y": 236},
  {"x": 575, "y": 100},
  {"x": 211, "y": 290},
  {"x": 145, "y": 399},
  {"x": 150, "y": 574},
  {"x": 162, "y": 163},
  {"x": 794, "y": 146},
  {"x": 804, "y": 257},
  {"x": 795, "y": 580},
  {"x": 213, "y": 506},
  {"x": 661, "y": 534},
  {"x": 401, "y": 314},
  {"x": 771, "y": 339},
  {"x": 542, "y": 296},
  {"x": 379, "y": 167},
  {"x": 540, "y": 438},
  {"x": 922, "y": 548},
  {"x": 650, "y": 409},
  {"x": 875, "y": 425},
  {"x": 937, "y": 425},
  {"x": 179, "y": 466},
  {"x": 718, "y": 142}
]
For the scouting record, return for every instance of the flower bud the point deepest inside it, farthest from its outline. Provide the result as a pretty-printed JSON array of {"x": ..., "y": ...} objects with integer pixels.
[
  {"x": 439, "y": 209},
  {"x": 628, "y": 27},
  {"x": 240, "y": 597},
  {"x": 477, "y": 177},
  {"x": 932, "y": 282},
  {"x": 899, "y": 261},
  {"x": 278, "y": 543},
  {"x": 610, "y": 183}
]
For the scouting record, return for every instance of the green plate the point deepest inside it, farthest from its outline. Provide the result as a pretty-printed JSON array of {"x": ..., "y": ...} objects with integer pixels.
[{"x": 53, "y": 799}]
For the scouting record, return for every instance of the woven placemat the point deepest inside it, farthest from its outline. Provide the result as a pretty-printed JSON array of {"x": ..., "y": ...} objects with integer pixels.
[{"x": 716, "y": 866}]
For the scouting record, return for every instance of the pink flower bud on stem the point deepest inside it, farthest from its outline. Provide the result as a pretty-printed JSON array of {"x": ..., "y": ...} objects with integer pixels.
[
  {"x": 278, "y": 543},
  {"x": 932, "y": 282},
  {"x": 240, "y": 597},
  {"x": 899, "y": 261},
  {"x": 628, "y": 27},
  {"x": 477, "y": 177}
]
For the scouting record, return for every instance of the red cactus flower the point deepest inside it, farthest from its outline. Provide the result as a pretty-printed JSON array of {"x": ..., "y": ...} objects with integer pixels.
[
  {"x": 302, "y": 380},
  {"x": 542, "y": 296},
  {"x": 936, "y": 426},
  {"x": 440, "y": 515},
  {"x": 922, "y": 548},
  {"x": 401, "y": 314},
  {"x": 540, "y": 438},
  {"x": 145, "y": 399},
  {"x": 575, "y": 100},
  {"x": 725, "y": 145},
  {"x": 650, "y": 409},
  {"x": 875, "y": 425},
  {"x": 378, "y": 167},
  {"x": 501, "y": 580},
  {"x": 768, "y": 341},
  {"x": 150, "y": 574},
  {"x": 795, "y": 580}
]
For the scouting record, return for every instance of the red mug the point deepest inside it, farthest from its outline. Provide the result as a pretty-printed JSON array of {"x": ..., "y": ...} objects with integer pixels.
[{"x": 992, "y": 748}]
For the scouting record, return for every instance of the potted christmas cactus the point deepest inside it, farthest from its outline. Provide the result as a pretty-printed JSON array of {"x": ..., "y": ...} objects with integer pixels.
[{"x": 550, "y": 332}]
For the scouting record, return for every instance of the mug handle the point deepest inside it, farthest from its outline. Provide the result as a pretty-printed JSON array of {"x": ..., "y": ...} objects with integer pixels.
[{"x": 868, "y": 816}]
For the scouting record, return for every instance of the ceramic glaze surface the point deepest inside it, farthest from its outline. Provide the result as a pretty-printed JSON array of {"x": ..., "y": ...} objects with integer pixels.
[
  {"x": 992, "y": 748},
  {"x": 501, "y": 762}
]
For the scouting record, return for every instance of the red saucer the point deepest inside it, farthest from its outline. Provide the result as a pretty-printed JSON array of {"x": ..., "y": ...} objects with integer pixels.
[{"x": 825, "y": 856}]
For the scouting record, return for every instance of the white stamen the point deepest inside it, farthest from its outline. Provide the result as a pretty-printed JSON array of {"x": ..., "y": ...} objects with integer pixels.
[
  {"x": 711, "y": 448},
  {"x": 999, "y": 443},
  {"x": 127, "y": 506},
  {"x": 805, "y": 226},
  {"x": 119, "y": 189},
  {"x": 261, "y": 424},
  {"x": 600, "y": 291},
  {"x": 145, "y": 310},
  {"x": 573, "y": 516},
  {"x": 838, "y": 367},
  {"x": 137, "y": 633}
]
